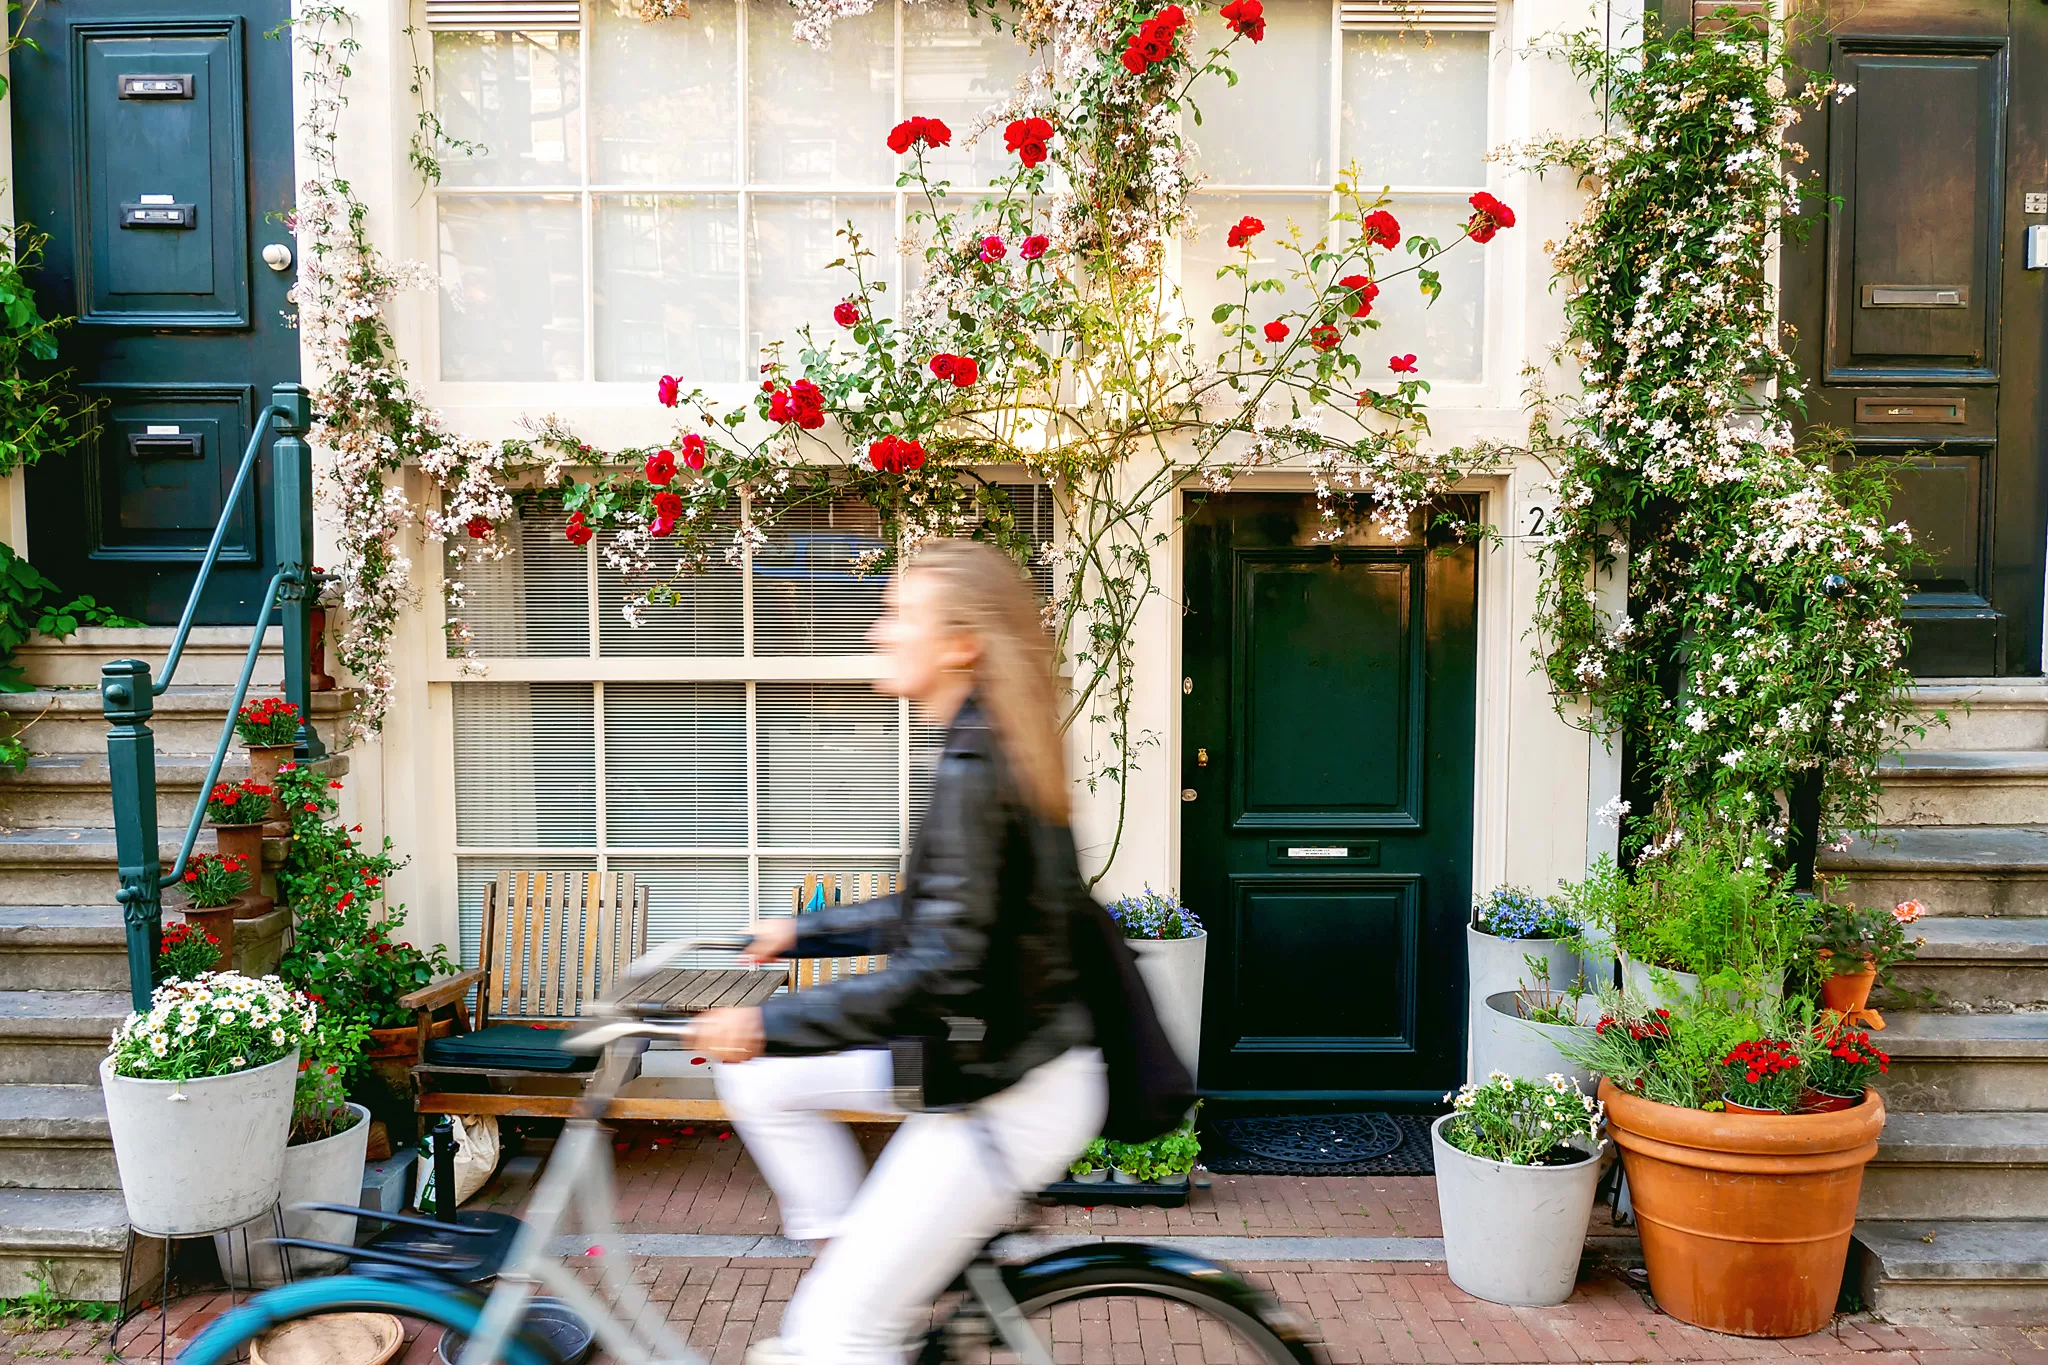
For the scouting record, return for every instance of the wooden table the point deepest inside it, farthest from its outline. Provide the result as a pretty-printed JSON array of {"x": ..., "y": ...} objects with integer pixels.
[{"x": 689, "y": 990}]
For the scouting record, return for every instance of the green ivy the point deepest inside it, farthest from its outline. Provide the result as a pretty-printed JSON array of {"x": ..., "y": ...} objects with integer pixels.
[
  {"x": 39, "y": 414},
  {"x": 31, "y": 604}
]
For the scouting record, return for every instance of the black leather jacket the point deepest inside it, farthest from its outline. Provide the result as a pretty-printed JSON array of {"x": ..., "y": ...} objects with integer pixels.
[{"x": 980, "y": 965}]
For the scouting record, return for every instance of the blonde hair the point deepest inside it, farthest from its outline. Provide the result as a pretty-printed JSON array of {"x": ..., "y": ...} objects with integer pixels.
[{"x": 983, "y": 593}]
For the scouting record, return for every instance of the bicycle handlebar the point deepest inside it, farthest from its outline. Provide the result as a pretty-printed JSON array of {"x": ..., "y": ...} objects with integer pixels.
[{"x": 669, "y": 952}]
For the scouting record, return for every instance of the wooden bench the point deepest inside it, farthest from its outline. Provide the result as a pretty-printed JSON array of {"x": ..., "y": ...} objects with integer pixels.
[{"x": 832, "y": 889}]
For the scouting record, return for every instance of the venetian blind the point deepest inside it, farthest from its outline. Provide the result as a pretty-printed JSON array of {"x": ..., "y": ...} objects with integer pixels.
[
  {"x": 828, "y": 766},
  {"x": 675, "y": 765},
  {"x": 535, "y": 602},
  {"x": 1419, "y": 14},
  {"x": 525, "y": 765},
  {"x": 503, "y": 14},
  {"x": 812, "y": 595}
]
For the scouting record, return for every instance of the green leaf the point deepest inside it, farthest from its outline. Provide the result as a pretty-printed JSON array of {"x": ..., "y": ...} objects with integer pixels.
[{"x": 1222, "y": 311}]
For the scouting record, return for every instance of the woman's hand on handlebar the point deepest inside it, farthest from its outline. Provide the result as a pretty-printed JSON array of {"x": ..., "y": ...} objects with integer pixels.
[
  {"x": 730, "y": 1035},
  {"x": 772, "y": 939}
]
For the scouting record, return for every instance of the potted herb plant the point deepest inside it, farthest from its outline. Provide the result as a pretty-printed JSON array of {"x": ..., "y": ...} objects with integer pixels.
[
  {"x": 199, "y": 1101},
  {"x": 269, "y": 730},
  {"x": 1855, "y": 949},
  {"x": 1745, "y": 1218},
  {"x": 1840, "y": 1068},
  {"x": 1172, "y": 948},
  {"x": 1517, "y": 1161},
  {"x": 1131, "y": 1163},
  {"x": 323, "y": 1160},
  {"x": 1523, "y": 1032},
  {"x": 238, "y": 811},
  {"x": 1174, "y": 1154},
  {"x": 1514, "y": 940},
  {"x": 1092, "y": 1166},
  {"x": 189, "y": 951}
]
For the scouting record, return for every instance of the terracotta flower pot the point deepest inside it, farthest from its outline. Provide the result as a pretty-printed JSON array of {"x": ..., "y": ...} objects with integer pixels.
[
  {"x": 220, "y": 922},
  {"x": 1745, "y": 1219},
  {"x": 242, "y": 841},
  {"x": 1821, "y": 1102},
  {"x": 264, "y": 761},
  {"x": 402, "y": 1044},
  {"x": 1734, "y": 1108},
  {"x": 1847, "y": 992}
]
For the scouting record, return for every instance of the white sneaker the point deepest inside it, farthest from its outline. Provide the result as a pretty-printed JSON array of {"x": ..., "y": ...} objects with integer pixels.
[{"x": 774, "y": 1351}]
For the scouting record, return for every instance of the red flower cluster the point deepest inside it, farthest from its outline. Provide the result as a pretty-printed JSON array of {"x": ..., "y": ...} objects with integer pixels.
[
  {"x": 579, "y": 532},
  {"x": 184, "y": 929},
  {"x": 667, "y": 389},
  {"x": 896, "y": 454},
  {"x": 962, "y": 371},
  {"x": 846, "y": 313},
  {"x": 1489, "y": 216},
  {"x": 1027, "y": 138},
  {"x": 1246, "y": 17},
  {"x": 1361, "y": 292},
  {"x": 693, "y": 450},
  {"x": 270, "y": 711},
  {"x": 1034, "y": 246},
  {"x": 801, "y": 403},
  {"x": 1402, "y": 364},
  {"x": 1760, "y": 1059},
  {"x": 1276, "y": 331},
  {"x": 668, "y": 510},
  {"x": 478, "y": 527},
  {"x": 1656, "y": 1026},
  {"x": 1382, "y": 228},
  {"x": 661, "y": 467},
  {"x": 1244, "y": 230},
  {"x": 1858, "y": 1050},
  {"x": 1153, "y": 42},
  {"x": 233, "y": 862},
  {"x": 1325, "y": 337},
  {"x": 918, "y": 131}
]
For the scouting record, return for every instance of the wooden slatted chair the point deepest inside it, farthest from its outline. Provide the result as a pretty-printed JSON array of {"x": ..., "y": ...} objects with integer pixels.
[
  {"x": 552, "y": 943},
  {"x": 835, "y": 889}
]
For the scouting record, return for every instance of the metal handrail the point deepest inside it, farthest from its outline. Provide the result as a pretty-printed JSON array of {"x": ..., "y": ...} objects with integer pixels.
[{"x": 127, "y": 692}]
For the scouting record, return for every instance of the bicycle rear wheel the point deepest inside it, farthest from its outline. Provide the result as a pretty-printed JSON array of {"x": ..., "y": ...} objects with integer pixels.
[{"x": 434, "y": 1305}]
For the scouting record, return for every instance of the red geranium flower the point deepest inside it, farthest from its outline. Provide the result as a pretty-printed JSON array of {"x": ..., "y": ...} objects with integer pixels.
[
  {"x": 661, "y": 466},
  {"x": 478, "y": 527},
  {"x": 1382, "y": 228},
  {"x": 1032, "y": 247},
  {"x": 1489, "y": 216},
  {"x": 1362, "y": 292},
  {"x": 579, "y": 532},
  {"x": 1276, "y": 331},
  {"x": 693, "y": 450},
  {"x": 1401, "y": 364},
  {"x": 1027, "y": 138},
  {"x": 846, "y": 313},
  {"x": 918, "y": 131},
  {"x": 1244, "y": 230},
  {"x": 668, "y": 389},
  {"x": 1247, "y": 17},
  {"x": 1324, "y": 337},
  {"x": 992, "y": 249}
]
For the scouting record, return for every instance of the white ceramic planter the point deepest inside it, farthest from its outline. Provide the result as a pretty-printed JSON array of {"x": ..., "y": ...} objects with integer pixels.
[
  {"x": 1512, "y": 1234},
  {"x": 1094, "y": 1176},
  {"x": 1494, "y": 964},
  {"x": 197, "y": 1156},
  {"x": 1521, "y": 1047},
  {"x": 329, "y": 1171},
  {"x": 1172, "y": 969},
  {"x": 1667, "y": 989}
]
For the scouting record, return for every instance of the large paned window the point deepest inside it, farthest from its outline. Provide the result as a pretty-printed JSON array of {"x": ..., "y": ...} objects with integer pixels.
[{"x": 663, "y": 198}]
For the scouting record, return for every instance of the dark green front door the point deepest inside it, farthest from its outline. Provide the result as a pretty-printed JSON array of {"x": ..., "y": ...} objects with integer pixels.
[
  {"x": 153, "y": 144},
  {"x": 1326, "y": 816}
]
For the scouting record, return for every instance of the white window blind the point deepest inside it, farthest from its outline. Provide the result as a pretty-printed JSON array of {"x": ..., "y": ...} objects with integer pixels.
[
  {"x": 462, "y": 14},
  {"x": 1424, "y": 14}
]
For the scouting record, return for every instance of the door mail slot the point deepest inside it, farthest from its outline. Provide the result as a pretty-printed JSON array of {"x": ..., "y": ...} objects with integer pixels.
[
  {"x": 159, "y": 215},
  {"x": 156, "y": 87},
  {"x": 1943, "y": 410},
  {"x": 1916, "y": 296},
  {"x": 157, "y": 445},
  {"x": 1321, "y": 852}
]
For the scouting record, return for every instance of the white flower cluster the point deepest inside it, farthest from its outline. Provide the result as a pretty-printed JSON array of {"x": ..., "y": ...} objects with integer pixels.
[
  {"x": 212, "y": 1025},
  {"x": 1522, "y": 1122}
]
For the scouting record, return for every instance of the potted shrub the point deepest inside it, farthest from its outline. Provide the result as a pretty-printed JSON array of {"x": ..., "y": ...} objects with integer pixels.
[
  {"x": 1855, "y": 949},
  {"x": 199, "y": 1101},
  {"x": 216, "y": 894},
  {"x": 1514, "y": 940},
  {"x": 1516, "y": 1165},
  {"x": 1131, "y": 1163},
  {"x": 1172, "y": 949},
  {"x": 323, "y": 1160},
  {"x": 1745, "y": 1218},
  {"x": 1841, "y": 1067},
  {"x": 1092, "y": 1166},
  {"x": 189, "y": 951},
  {"x": 238, "y": 811}
]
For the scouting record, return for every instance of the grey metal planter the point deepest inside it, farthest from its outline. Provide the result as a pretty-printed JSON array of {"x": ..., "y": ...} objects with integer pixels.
[
  {"x": 1494, "y": 964},
  {"x": 1512, "y": 1234},
  {"x": 1521, "y": 1047}
]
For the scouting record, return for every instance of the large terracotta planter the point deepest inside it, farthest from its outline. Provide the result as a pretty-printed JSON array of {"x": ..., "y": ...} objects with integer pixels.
[{"x": 1745, "y": 1220}]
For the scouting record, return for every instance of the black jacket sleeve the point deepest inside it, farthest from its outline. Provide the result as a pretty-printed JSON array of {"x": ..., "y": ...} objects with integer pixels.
[
  {"x": 938, "y": 945},
  {"x": 846, "y": 930}
]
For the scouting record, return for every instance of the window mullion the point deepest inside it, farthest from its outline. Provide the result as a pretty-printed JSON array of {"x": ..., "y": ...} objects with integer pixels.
[
  {"x": 744, "y": 201},
  {"x": 587, "y": 36},
  {"x": 598, "y": 769},
  {"x": 753, "y": 804}
]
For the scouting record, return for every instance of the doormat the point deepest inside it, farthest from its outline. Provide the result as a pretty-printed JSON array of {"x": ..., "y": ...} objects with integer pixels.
[{"x": 1364, "y": 1143}]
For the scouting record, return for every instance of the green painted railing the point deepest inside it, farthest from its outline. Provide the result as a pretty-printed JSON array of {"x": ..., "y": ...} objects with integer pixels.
[{"x": 128, "y": 693}]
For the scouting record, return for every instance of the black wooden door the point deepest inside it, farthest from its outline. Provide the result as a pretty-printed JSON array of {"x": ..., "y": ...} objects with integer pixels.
[
  {"x": 1919, "y": 326},
  {"x": 1326, "y": 820},
  {"x": 153, "y": 144}
]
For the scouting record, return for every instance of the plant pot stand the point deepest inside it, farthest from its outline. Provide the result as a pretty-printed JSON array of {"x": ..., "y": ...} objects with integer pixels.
[
  {"x": 1108, "y": 1193},
  {"x": 130, "y": 1313}
]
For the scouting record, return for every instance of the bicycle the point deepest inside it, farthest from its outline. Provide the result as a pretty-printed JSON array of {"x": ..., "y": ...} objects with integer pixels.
[{"x": 998, "y": 1313}]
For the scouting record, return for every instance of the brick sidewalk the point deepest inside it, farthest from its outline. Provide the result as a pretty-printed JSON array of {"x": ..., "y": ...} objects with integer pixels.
[{"x": 701, "y": 1182}]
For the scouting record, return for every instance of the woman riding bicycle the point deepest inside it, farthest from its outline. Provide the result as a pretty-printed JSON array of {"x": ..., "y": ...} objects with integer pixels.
[{"x": 980, "y": 986}]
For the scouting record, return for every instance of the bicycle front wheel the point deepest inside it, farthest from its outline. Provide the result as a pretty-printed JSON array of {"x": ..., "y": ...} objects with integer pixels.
[{"x": 409, "y": 1300}]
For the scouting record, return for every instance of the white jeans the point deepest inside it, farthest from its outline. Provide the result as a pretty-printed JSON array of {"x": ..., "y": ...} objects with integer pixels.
[{"x": 942, "y": 1187}]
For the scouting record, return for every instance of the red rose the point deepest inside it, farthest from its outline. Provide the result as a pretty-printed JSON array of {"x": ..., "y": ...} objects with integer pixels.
[
  {"x": 1489, "y": 216},
  {"x": 1325, "y": 337},
  {"x": 1276, "y": 331},
  {"x": 478, "y": 528},
  {"x": 693, "y": 450},
  {"x": 846, "y": 313},
  {"x": 1027, "y": 138},
  {"x": 911, "y": 454},
  {"x": 1382, "y": 228},
  {"x": 918, "y": 131},
  {"x": 667, "y": 390},
  {"x": 1153, "y": 44},
  {"x": 668, "y": 506},
  {"x": 992, "y": 249},
  {"x": 661, "y": 466},
  {"x": 966, "y": 370},
  {"x": 942, "y": 365},
  {"x": 1362, "y": 292},
  {"x": 1245, "y": 229},
  {"x": 579, "y": 532},
  {"x": 882, "y": 455},
  {"x": 1246, "y": 17},
  {"x": 802, "y": 403},
  {"x": 1170, "y": 18},
  {"x": 1401, "y": 364},
  {"x": 1032, "y": 247},
  {"x": 1133, "y": 62}
]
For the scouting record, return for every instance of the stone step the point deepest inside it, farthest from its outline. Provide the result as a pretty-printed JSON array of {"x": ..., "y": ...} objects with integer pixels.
[
  {"x": 59, "y": 791},
  {"x": 213, "y": 655},
  {"x": 62, "y": 948},
  {"x": 1909, "y": 1268},
  {"x": 187, "y": 718},
  {"x": 1970, "y": 871},
  {"x": 1940, "y": 1165},
  {"x": 1983, "y": 713},
  {"x": 79, "y": 866},
  {"x": 1983, "y": 964},
  {"x": 57, "y": 1037},
  {"x": 1965, "y": 787},
  {"x": 1950, "y": 1063},
  {"x": 79, "y": 1236},
  {"x": 54, "y": 1137}
]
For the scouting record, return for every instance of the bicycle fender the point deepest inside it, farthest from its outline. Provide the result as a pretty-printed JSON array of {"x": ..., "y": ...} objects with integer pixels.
[
  {"x": 438, "y": 1304},
  {"x": 1160, "y": 1264}
]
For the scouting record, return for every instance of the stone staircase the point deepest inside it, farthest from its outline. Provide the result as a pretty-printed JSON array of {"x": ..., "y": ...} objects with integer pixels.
[
  {"x": 1955, "y": 1208},
  {"x": 63, "y": 964}
]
